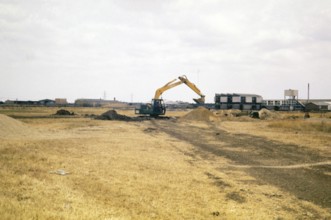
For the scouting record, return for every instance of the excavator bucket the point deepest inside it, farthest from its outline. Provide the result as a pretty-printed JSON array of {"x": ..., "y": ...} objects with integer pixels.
[{"x": 200, "y": 100}]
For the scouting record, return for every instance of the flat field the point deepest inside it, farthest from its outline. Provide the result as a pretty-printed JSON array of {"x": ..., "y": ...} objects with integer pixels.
[{"x": 76, "y": 167}]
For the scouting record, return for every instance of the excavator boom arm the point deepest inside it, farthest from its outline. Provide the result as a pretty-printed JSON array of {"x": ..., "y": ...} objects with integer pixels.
[
  {"x": 174, "y": 83},
  {"x": 184, "y": 79},
  {"x": 167, "y": 86}
]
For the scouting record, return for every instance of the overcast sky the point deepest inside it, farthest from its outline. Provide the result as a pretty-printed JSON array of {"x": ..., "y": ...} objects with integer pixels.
[{"x": 129, "y": 48}]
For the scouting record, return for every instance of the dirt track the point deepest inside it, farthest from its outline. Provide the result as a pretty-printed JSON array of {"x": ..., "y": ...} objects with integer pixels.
[{"x": 296, "y": 170}]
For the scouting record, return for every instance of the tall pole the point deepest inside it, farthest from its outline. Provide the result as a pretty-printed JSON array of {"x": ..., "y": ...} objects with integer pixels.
[{"x": 308, "y": 92}]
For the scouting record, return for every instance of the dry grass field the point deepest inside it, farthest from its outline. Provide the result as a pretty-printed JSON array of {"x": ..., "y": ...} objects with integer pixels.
[{"x": 75, "y": 167}]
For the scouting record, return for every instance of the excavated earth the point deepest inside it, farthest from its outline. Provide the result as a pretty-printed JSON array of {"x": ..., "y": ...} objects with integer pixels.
[
  {"x": 64, "y": 112},
  {"x": 113, "y": 115}
]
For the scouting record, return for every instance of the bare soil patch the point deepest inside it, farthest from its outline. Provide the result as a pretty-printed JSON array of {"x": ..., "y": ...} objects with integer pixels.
[{"x": 10, "y": 127}]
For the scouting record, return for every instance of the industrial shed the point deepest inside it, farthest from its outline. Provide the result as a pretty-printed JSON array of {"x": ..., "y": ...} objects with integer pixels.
[
  {"x": 238, "y": 101},
  {"x": 61, "y": 101},
  {"x": 284, "y": 104},
  {"x": 318, "y": 106}
]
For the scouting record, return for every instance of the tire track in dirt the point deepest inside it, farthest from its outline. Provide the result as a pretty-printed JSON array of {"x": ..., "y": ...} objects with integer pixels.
[{"x": 300, "y": 171}]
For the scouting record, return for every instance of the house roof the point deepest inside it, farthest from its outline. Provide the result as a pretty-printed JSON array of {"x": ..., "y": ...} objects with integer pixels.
[{"x": 238, "y": 94}]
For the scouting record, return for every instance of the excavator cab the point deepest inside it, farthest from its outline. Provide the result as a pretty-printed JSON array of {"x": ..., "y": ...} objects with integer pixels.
[{"x": 157, "y": 107}]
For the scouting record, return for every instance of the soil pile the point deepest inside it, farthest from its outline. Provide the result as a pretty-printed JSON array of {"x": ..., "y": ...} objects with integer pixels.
[
  {"x": 265, "y": 114},
  {"x": 200, "y": 114},
  {"x": 113, "y": 115},
  {"x": 10, "y": 127},
  {"x": 64, "y": 112}
]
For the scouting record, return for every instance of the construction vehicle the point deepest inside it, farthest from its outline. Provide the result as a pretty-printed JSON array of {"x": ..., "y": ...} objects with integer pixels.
[{"x": 157, "y": 106}]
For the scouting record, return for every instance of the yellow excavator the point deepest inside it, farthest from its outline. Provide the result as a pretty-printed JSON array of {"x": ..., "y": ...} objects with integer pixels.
[{"x": 157, "y": 107}]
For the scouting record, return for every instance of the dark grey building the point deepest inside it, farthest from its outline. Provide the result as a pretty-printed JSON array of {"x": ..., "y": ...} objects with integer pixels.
[
  {"x": 318, "y": 105},
  {"x": 238, "y": 101}
]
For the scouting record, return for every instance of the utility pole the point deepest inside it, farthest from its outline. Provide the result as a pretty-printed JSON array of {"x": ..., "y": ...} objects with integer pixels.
[{"x": 308, "y": 93}]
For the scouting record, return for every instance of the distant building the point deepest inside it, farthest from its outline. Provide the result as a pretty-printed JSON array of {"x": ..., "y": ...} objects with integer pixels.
[
  {"x": 46, "y": 102},
  {"x": 99, "y": 103},
  {"x": 177, "y": 104},
  {"x": 238, "y": 101},
  {"x": 19, "y": 102},
  {"x": 284, "y": 104},
  {"x": 9, "y": 102},
  {"x": 289, "y": 103},
  {"x": 318, "y": 105},
  {"x": 91, "y": 102},
  {"x": 61, "y": 101}
]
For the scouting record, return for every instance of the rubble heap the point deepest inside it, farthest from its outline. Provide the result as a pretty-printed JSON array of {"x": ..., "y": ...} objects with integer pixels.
[
  {"x": 200, "y": 114},
  {"x": 113, "y": 115}
]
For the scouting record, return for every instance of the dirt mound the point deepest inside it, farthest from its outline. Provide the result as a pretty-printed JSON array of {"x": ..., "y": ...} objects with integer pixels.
[
  {"x": 265, "y": 114},
  {"x": 113, "y": 115},
  {"x": 10, "y": 127},
  {"x": 200, "y": 114},
  {"x": 64, "y": 112}
]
